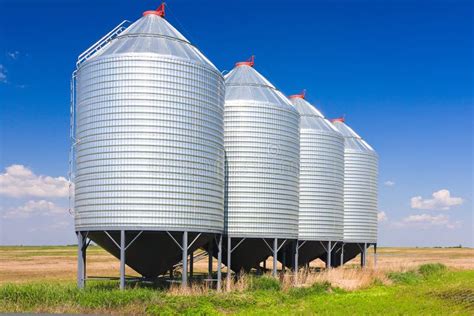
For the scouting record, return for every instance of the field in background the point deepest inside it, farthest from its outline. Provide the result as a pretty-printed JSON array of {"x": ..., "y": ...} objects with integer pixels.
[{"x": 21, "y": 264}]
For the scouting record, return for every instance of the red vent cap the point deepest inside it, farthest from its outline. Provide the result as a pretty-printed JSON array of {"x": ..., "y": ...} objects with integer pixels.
[
  {"x": 298, "y": 96},
  {"x": 339, "y": 119},
  {"x": 249, "y": 62},
  {"x": 160, "y": 11}
]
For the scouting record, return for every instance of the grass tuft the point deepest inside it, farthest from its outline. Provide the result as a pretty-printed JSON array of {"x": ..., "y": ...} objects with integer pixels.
[
  {"x": 264, "y": 282},
  {"x": 432, "y": 269},
  {"x": 407, "y": 277}
]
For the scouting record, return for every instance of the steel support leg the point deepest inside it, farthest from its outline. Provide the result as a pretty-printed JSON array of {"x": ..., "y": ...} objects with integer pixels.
[
  {"x": 296, "y": 262},
  {"x": 80, "y": 260},
  {"x": 275, "y": 254},
  {"x": 122, "y": 259},
  {"x": 328, "y": 261},
  {"x": 171, "y": 272},
  {"x": 209, "y": 263},
  {"x": 375, "y": 256},
  {"x": 219, "y": 264},
  {"x": 184, "y": 275},
  {"x": 229, "y": 261},
  {"x": 363, "y": 256},
  {"x": 191, "y": 264},
  {"x": 265, "y": 264},
  {"x": 342, "y": 254}
]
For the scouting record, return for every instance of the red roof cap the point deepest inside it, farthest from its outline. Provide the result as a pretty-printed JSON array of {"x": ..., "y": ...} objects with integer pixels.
[
  {"x": 249, "y": 62},
  {"x": 298, "y": 96},
  {"x": 339, "y": 119},
  {"x": 160, "y": 11}
]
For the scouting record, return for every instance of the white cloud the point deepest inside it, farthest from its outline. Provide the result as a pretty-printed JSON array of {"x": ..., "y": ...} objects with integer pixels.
[
  {"x": 442, "y": 200},
  {"x": 35, "y": 208},
  {"x": 389, "y": 183},
  {"x": 13, "y": 55},
  {"x": 382, "y": 217},
  {"x": 427, "y": 218},
  {"x": 19, "y": 181},
  {"x": 427, "y": 221},
  {"x": 61, "y": 225},
  {"x": 3, "y": 74}
]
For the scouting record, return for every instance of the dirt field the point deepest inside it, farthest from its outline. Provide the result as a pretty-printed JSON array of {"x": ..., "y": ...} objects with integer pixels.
[{"x": 24, "y": 264}]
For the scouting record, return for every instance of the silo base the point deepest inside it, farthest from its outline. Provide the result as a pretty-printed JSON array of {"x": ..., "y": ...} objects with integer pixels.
[
  {"x": 308, "y": 251},
  {"x": 150, "y": 253},
  {"x": 348, "y": 251},
  {"x": 248, "y": 253}
]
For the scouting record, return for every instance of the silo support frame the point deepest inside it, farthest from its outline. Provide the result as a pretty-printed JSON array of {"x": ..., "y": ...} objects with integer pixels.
[
  {"x": 229, "y": 259},
  {"x": 275, "y": 250},
  {"x": 297, "y": 249},
  {"x": 82, "y": 245},
  {"x": 363, "y": 254},
  {"x": 342, "y": 254},
  {"x": 375, "y": 255},
  {"x": 123, "y": 246},
  {"x": 330, "y": 247},
  {"x": 219, "y": 263},
  {"x": 185, "y": 246}
]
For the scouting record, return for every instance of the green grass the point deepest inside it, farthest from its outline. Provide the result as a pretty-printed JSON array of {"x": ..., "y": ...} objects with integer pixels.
[{"x": 429, "y": 290}]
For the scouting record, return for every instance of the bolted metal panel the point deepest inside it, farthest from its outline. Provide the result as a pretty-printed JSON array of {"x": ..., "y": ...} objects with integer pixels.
[
  {"x": 149, "y": 153},
  {"x": 321, "y": 215},
  {"x": 360, "y": 187},
  {"x": 261, "y": 132}
]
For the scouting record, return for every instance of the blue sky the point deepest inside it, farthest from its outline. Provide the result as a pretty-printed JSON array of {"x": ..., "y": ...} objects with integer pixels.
[{"x": 401, "y": 72}]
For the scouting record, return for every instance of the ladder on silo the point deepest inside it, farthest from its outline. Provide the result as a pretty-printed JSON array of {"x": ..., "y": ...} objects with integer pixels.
[{"x": 106, "y": 39}]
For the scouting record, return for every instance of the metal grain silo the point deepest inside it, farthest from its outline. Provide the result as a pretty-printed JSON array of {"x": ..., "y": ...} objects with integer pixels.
[
  {"x": 360, "y": 194},
  {"x": 261, "y": 139},
  {"x": 149, "y": 146},
  {"x": 321, "y": 211}
]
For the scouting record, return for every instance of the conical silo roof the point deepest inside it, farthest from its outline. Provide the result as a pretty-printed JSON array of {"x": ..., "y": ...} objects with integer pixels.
[
  {"x": 245, "y": 83},
  {"x": 310, "y": 117},
  {"x": 352, "y": 141},
  {"x": 153, "y": 34}
]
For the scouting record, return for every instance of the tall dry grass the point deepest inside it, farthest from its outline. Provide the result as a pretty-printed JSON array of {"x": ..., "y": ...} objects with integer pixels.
[{"x": 347, "y": 278}]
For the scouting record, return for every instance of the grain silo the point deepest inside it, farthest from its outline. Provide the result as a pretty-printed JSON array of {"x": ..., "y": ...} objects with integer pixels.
[
  {"x": 261, "y": 140},
  {"x": 149, "y": 178},
  {"x": 360, "y": 196},
  {"x": 321, "y": 212}
]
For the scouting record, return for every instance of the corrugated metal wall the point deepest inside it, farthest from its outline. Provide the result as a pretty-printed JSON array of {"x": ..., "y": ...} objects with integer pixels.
[
  {"x": 262, "y": 158},
  {"x": 321, "y": 212},
  {"x": 360, "y": 188}
]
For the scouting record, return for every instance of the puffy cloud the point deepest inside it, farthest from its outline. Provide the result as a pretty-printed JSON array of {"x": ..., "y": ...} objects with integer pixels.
[
  {"x": 3, "y": 74},
  {"x": 442, "y": 200},
  {"x": 382, "y": 217},
  {"x": 427, "y": 221},
  {"x": 389, "y": 183},
  {"x": 34, "y": 208},
  {"x": 19, "y": 181}
]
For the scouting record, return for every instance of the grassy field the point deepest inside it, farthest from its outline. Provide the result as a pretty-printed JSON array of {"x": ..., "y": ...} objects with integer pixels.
[{"x": 405, "y": 282}]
